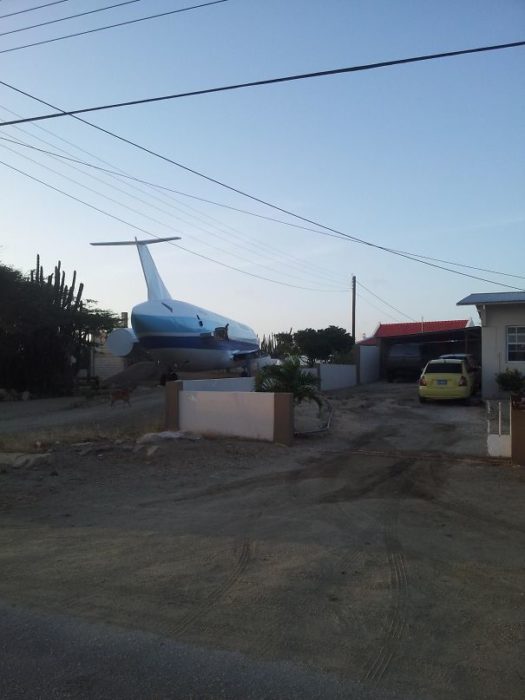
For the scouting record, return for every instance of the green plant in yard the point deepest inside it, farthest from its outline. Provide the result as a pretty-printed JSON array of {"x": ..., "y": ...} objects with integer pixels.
[
  {"x": 288, "y": 377},
  {"x": 511, "y": 381}
]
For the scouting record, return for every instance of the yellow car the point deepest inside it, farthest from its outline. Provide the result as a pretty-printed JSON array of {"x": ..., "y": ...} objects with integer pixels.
[{"x": 446, "y": 379}]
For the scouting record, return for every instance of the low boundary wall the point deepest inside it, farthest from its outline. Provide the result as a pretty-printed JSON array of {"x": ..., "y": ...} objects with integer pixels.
[
  {"x": 227, "y": 384},
  {"x": 337, "y": 377},
  {"x": 331, "y": 377},
  {"x": 241, "y": 414}
]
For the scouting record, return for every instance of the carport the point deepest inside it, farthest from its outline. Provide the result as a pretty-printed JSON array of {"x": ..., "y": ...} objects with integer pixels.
[{"x": 434, "y": 343}]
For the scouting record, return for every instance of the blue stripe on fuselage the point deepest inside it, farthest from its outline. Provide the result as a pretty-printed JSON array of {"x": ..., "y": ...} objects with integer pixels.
[{"x": 195, "y": 342}]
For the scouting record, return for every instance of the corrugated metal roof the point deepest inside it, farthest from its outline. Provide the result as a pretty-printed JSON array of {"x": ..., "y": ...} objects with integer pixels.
[{"x": 494, "y": 298}]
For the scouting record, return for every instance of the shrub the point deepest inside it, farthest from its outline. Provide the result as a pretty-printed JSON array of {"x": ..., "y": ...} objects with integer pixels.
[{"x": 511, "y": 381}]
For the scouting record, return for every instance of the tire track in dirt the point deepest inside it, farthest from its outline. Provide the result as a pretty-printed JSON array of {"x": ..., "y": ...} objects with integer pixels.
[
  {"x": 245, "y": 556},
  {"x": 397, "y": 618}
]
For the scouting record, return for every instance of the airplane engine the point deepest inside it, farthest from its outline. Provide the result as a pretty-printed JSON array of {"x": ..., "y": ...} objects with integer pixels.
[{"x": 120, "y": 341}]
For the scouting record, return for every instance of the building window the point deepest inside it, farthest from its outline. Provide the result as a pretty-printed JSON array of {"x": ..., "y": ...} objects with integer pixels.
[{"x": 516, "y": 344}]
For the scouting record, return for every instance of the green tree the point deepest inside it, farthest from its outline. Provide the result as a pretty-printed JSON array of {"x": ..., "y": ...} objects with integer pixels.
[
  {"x": 45, "y": 330},
  {"x": 324, "y": 344},
  {"x": 284, "y": 345},
  {"x": 310, "y": 345},
  {"x": 288, "y": 377}
]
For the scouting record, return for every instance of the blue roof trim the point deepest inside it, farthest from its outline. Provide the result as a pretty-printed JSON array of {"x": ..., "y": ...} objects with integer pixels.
[{"x": 493, "y": 298}]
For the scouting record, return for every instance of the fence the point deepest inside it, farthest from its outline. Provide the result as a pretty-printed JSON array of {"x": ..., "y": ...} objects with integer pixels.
[{"x": 499, "y": 429}]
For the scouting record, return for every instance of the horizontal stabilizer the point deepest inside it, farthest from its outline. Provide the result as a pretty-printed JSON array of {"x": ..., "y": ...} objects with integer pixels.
[
  {"x": 135, "y": 242},
  {"x": 156, "y": 288}
]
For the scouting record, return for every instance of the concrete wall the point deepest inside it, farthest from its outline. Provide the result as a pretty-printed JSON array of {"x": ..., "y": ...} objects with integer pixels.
[
  {"x": 228, "y": 384},
  {"x": 494, "y": 343},
  {"x": 499, "y": 445},
  {"x": 369, "y": 361},
  {"x": 241, "y": 414},
  {"x": 517, "y": 433},
  {"x": 337, "y": 377}
]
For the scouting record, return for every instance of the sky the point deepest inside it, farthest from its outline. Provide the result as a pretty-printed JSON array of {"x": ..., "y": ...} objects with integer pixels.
[{"x": 427, "y": 158}]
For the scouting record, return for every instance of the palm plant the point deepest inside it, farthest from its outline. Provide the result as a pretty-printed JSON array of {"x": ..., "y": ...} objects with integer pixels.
[{"x": 288, "y": 377}]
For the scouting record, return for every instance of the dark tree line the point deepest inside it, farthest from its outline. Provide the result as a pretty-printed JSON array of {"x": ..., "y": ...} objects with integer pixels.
[
  {"x": 332, "y": 344},
  {"x": 46, "y": 330}
]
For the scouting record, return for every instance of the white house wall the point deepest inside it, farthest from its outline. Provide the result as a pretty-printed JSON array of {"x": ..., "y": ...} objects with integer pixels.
[{"x": 494, "y": 343}]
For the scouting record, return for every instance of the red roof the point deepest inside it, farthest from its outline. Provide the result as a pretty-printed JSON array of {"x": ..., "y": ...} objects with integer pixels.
[{"x": 390, "y": 330}]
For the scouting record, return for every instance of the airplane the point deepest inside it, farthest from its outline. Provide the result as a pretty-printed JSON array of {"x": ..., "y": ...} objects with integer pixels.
[{"x": 178, "y": 335}]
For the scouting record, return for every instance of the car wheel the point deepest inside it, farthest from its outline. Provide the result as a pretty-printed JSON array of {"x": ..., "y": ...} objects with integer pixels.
[{"x": 422, "y": 399}]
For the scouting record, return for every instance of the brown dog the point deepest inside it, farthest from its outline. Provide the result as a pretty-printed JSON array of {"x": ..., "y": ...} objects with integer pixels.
[{"x": 120, "y": 394}]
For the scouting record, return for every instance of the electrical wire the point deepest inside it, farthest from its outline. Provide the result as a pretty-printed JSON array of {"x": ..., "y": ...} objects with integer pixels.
[
  {"x": 113, "y": 26},
  {"x": 374, "y": 306},
  {"x": 124, "y": 178},
  {"x": 32, "y": 9},
  {"x": 468, "y": 267},
  {"x": 161, "y": 223},
  {"x": 148, "y": 233},
  {"x": 251, "y": 246},
  {"x": 65, "y": 19},
  {"x": 327, "y": 230},
  {"x": 122, "y": 174},
  {"x": 383, "y": 301},
  {"x": 259, "y": 83}
]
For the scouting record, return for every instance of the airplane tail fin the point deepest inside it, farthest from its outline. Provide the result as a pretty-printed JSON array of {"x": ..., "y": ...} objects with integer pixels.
[{"x": 156, "y": 287}]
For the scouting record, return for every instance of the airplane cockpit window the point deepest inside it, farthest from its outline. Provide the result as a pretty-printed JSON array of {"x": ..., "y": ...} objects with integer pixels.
[{"x": 221, "y": 332}]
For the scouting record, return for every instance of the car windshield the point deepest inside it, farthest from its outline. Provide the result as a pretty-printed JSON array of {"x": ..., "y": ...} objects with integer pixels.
[{"x": 444, "y": 368}]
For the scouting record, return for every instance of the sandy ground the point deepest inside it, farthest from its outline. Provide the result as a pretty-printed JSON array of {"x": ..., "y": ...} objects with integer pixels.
[{"x": 384, "y": 558}]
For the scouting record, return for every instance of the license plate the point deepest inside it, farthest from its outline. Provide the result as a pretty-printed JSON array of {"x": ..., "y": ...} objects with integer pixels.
[{"x": 441, "y": 382}]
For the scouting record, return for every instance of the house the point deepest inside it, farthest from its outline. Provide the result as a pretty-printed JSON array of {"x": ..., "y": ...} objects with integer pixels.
[
  {"x": 502, "y": 317},
  {"x": 435, "y": 337}
]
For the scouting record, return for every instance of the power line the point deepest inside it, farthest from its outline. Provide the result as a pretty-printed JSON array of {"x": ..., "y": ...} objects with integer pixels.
[
  {"x": 327, "y": 230},
  {"x": 258, "y": 83},
  {"x": 31, "y": 9},
  {"x": 121, "y": 174},
  {"x": 157, "y": 221},
  {"x": 373, "y": 306},
  {"x": 64, "y": 19},
  {"x": 383, "y": 301},
  {"x": 468, "y": 267},
  {"x": 113, "y": 26},
  {"x": 158, "y": 186},
  {"x": 155, "y": 185},
  {"x": 148, "y": 233},
  {"x": 260, "y": 249}
]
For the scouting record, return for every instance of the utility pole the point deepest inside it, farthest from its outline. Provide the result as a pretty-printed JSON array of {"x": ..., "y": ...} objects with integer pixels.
[{"x": 353, "y": 306}]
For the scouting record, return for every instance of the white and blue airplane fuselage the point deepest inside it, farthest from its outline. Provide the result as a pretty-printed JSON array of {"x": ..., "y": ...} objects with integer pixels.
[
  {"x": 180, "y": 335},
  {"x": 188, "y": 337}
]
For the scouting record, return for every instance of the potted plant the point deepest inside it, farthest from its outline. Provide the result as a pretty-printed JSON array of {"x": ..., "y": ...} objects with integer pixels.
[{"x": 512, "y": 382}]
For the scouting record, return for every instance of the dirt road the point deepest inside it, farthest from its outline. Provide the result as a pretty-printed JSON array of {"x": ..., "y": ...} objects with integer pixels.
[{"x": 387, "y": 556}]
